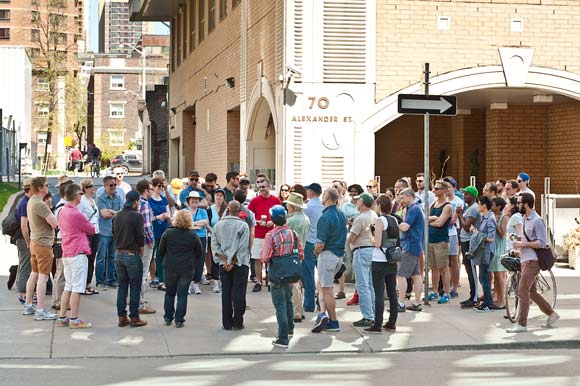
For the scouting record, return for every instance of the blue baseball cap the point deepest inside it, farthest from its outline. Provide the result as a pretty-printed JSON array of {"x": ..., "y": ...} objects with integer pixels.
[
  {"x": 524, "y": 176},
  {"x": 315, "y": 187}
]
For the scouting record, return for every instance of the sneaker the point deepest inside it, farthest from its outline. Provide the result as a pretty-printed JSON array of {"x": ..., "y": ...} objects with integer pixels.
[
  {"x": 468, "y": 304},
  {"x": 453, "y": 294},
  {"x": 43, "y": 314},
  {"x": 374, "y": 329},
  {"x": 154, "y": 283},
  {"x": 332, "y": 325},
  {"x": 63, "y": 322},
  {"x": 101, "y": 287},
  {"x": 196, "y": 289},
  {"x": 389, "y": 327},
  {"x": 432, "y": 296},
  {"x": 113, "y": 284},
  {"x": 340, "y": 295},
  {"x": 291, "y": 333},
  {"x": 321, "y": 321},
  {"x": 204, "y": 280},
  {"x": 444, "y": 299},
  {"x": 257, "y": 287},
  {"x": 74, "y": 324},
  {"x": 178, "y": 324},
  {"x": 22, "y": 300},
  {"x": 415, "y": 307},
  {"x": 516, "y": 329},
  {"x": 363, "y": 323},
  {"x": 216, "y": 288},
  {"x": 466, "y": 301},
  {"x": 29, "y": 309},
  {"x": 278, "y": 343},
  {"x": 552, "y": 319},
  {"x": 353, "y": 301},
  {"x": 482, "y": 308},
  {"x": 401, "y": 308}
]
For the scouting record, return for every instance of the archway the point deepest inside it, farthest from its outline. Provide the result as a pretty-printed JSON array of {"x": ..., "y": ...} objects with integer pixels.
[{"x": 499, "y": 131}]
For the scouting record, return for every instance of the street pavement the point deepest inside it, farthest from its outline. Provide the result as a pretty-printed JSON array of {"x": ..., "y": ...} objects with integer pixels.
[
  {"x": 447, "y": 368},
  {"x": 437, "y": 328}
]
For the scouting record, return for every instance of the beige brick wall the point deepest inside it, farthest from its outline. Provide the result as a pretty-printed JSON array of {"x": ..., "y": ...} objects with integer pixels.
[{"x": 407, "y": 36}]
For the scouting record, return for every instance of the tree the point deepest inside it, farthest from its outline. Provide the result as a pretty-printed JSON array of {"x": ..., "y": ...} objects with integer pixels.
[
  {"x": 51, "y": 62},
  {"x": 76, "y": 112}
]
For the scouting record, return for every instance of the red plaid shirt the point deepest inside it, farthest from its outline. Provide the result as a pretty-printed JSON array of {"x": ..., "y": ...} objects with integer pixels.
[{"x": 280, "y": 241}]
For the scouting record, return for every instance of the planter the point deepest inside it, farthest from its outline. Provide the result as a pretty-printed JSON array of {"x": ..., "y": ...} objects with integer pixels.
[{"x": 573, "y": 257}]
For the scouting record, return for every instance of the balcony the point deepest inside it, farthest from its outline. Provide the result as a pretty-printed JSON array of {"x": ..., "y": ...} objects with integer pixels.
[{"x": 153, "y": 10}]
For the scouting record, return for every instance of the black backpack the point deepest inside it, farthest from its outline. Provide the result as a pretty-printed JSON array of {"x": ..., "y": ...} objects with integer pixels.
[{"x": 11, "y": 225}]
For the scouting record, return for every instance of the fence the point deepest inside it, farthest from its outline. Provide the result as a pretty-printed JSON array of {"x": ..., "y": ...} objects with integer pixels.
[{"x": 8, "y": 151}]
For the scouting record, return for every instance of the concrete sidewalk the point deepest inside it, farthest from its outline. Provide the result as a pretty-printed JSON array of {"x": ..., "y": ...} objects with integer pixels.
[{"x": 436, "y": 328}]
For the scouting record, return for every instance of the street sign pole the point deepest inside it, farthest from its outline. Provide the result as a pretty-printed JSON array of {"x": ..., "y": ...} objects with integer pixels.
[{"x": 426, "y": 191}]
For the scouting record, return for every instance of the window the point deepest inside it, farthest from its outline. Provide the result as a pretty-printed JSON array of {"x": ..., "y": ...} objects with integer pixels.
[
  {"x": 183, "y": 16},
  {"x": 34, "y": 2},
  {"x": 116, "y": 137},
  {"x": 4, "y": 33},
  {"x": 235, "y": 3},
  {"x": 192, "y": 39},
  {"x": 223, "y": 9},
  {"x": 41, "y": 137},
  {"x": 117, "y": 82},
  {"x": 211, "y": 16},
  {"x": 35, "y": 35},
  {"x": 117, "y": 110},
  {"x": 58, "y": 38},
  {"x": 178, "y": 29},
  {"x": 42, "y": 85},
  {"x": 201, "y": 18},
  {"x": 5, "y": 14},
  {"x": 34, "y": 16},
  {"x": 42, "y": 111},
  {"x": 57, "y": 20}
]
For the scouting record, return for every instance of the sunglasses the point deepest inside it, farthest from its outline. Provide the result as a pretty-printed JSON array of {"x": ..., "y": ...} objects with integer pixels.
[
  {"x": 284, "y": 190},
  {"x": 112, "y": 185},
  {"x": 420, "y": 181},
  {"x": 194, "y": 178},
  {"x": 89, "y": 186},
  {"x": 369, "y": 186},
  {"x": 438, "y": 188}
]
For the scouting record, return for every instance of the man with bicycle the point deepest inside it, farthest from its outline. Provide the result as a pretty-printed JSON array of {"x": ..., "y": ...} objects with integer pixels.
[
  {"x": 534, "y": 238},
  {"x": 94, "y": 157}
]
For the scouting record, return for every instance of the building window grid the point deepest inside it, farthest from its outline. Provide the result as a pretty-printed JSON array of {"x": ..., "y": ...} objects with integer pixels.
[
  {"x": 4, "y": 15},
  {"x": 42, "y": 110},
  {"x": 201, "y": 18},
  {"x": 223, "y": 9},
  {"x": 117, "y": 82},
  {"x": 184, "y": 32},
  {"x": 116, "y": 137},
  {"x": 5, "y": 33},
  {"x": 211, "y": 16},
  {"x": 178, "y": 30},
  {"x": 192, "y": 39},
  {"x": 116, "y": 110}
]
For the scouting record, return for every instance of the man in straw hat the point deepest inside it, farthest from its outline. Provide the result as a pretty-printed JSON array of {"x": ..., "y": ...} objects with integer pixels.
[{"x": 299, "y": 223}]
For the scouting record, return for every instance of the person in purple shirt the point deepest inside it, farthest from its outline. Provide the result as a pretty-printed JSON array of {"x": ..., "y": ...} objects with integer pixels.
[{"x": 534, "y": 237}]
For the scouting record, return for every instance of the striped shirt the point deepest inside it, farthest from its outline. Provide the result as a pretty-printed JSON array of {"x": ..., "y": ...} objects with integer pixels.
[
  {"x": 280, "y": 241},
  {"x": 147, "y": 213}
]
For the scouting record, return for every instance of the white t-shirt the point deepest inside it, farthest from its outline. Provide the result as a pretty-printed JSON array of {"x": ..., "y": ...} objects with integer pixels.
[
  {"x": 455, "y": 203},
  {"x": 378, "y": 254},
  {"x": 90, "y": 212}
]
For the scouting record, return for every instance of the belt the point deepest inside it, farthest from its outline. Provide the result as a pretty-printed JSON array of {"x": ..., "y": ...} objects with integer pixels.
[
  {"x": 368, "y": 246},
  {"x": 128, "y": 251}
]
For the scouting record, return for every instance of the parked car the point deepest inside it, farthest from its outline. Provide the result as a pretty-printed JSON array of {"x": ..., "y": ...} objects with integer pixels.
[{"x": 131, "y": 162}]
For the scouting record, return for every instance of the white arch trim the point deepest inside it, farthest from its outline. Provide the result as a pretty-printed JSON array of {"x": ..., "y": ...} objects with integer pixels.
[
  {"x": 468, "y": 79},
  {"x": 262, "y": 89}
]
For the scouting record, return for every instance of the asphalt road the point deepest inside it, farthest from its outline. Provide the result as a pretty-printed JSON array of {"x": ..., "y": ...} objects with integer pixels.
[{"x": 449, "y": 368}]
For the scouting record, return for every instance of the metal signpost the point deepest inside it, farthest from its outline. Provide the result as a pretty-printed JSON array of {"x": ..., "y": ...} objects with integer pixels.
[{"x": 426, "y": 105}]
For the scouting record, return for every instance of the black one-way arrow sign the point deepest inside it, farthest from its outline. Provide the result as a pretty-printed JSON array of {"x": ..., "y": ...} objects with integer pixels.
[{"x": 423, "y": 104}]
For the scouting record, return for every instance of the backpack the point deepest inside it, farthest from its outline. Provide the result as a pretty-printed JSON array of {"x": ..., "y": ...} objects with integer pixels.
[
  {"x": 11, "y": 225},
  {"x": 391, "y": 245}
]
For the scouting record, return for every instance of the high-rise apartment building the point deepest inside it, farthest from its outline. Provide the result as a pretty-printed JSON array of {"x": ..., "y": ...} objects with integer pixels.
[
  {"x": 116, "y": 32},
  {"x": 51, "y": 31}
]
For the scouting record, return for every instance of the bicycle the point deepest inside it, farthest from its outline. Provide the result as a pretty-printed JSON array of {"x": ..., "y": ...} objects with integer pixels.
[
  {"x": 545, "y": 285},
  {"x": 95, "y": 168}
]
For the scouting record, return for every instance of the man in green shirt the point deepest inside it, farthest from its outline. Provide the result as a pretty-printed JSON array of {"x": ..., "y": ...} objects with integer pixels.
[{"x": 300, "y": 224}]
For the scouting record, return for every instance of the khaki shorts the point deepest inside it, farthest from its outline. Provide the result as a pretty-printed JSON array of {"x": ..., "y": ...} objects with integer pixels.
[
  {"x": 439, "y": 255},
  {"x": 40, "y": 257}
]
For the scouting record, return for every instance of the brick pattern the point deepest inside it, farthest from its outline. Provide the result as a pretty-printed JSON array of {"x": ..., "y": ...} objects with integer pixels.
[
  {"x": 158, "y": 117},
  {"x": 563, "y": 148},
  {"x": 407, "y": 36}
]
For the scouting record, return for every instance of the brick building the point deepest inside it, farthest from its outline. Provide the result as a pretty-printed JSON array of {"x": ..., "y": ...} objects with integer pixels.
[
  {"x": 27, "y": 23},
  {"x": 307, "y": 90}
]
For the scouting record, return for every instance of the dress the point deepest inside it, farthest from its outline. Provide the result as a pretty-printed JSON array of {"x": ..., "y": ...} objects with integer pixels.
[{"x": 500, "y": 249}]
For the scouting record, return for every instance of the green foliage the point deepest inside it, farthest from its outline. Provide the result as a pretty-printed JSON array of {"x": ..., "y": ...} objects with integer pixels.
[{"x": 6, "y": 190}]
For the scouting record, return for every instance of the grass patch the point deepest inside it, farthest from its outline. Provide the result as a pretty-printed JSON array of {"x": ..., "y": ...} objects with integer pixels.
[{"x": 6, "y": 190}]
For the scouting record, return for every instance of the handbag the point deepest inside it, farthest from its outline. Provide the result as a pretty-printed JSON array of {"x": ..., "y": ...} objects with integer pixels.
[
  {"x": 393, "y": 253},
  {"x": 546, "y": 256},
  {"x": 286, "y": 269}
]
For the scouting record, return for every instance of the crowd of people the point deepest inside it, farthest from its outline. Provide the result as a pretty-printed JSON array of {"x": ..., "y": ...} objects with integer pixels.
[{"x": 176, "y": 237}]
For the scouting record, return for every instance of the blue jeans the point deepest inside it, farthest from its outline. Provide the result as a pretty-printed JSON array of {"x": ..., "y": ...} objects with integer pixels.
[
  {"x": 363, "y": 258},
  {"x": 485, "y": 284},
  {"x": 130, "y": 274},
  {"x": 176, "y": 283},
  {"x": 199, "y": 262},
  {"x": 308, "y": 265},
  {"x": 106, "y": 248},
  {"x": 282, "y": 300}
]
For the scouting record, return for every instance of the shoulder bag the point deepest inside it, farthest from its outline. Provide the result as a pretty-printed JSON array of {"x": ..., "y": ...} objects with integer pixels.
[
  {"x": 393, "y": 253},
  {"x": 286, "y": 269},
  {"x": 546, "y": 256}
]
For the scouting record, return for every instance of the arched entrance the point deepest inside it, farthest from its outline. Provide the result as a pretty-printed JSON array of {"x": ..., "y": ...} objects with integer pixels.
[
  {"x": 499, "y": 131},
  {"x": 261, "y": 132}
]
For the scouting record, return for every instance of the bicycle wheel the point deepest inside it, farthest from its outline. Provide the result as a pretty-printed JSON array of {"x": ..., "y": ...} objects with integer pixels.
[
  {"x": 511, "y": 296},
  {"x": 546, "y": 286}
]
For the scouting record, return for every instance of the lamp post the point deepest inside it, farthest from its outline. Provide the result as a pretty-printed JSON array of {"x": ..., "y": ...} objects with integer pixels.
[{"x": 144, "y": 73}]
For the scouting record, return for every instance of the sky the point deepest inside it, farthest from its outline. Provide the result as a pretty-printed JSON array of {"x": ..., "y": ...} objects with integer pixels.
[{"x": 158, "y": 28}]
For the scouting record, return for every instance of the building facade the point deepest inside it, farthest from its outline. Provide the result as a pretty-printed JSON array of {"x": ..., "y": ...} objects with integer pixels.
[
  {"x": 50, "y": 31},
  {"x": 307, "y": 90},
  {"x": 115, "y": 100}
]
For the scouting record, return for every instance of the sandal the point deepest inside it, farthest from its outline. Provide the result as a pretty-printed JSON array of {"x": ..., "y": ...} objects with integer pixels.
[
  {"x": 88, "y": 291},
  {"x": 94, "y": 290},
  {"x": 161, "y": 287}
]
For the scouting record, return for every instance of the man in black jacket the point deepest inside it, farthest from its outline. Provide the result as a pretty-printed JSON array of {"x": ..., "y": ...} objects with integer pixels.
[{"x": 129, "y": 236}]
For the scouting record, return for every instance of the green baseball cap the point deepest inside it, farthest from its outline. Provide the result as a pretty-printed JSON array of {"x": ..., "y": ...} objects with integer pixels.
[
  {"x": 366, "y": 197},
  {"x": 471, "y": 190}
]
